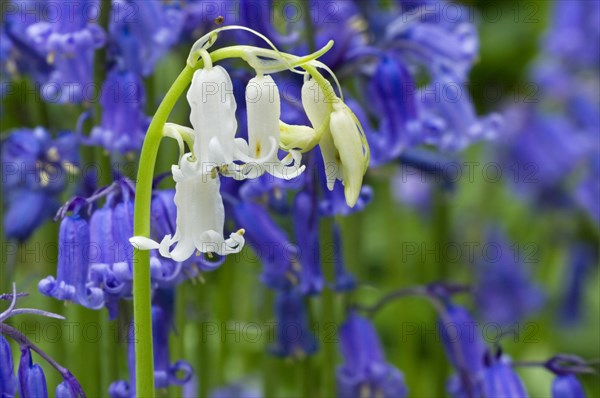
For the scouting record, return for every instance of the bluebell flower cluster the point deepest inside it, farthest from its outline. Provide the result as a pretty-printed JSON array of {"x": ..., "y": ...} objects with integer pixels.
[{"x": 37, "y": 170}]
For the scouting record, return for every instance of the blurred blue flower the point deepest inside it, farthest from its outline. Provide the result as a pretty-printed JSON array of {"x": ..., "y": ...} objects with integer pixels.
[
  {"x": 142, "y": 32},
  {"x": 124, "y": 123},
  {"x": 504, "y": 290},
  {"x": 365, "y": 372},
  {"x": 567, "y": 386},
  {"x": 68, "y": 45},
  {"x": 501, "y": 381},
  {"x": 32, "y": 381},
  {"x": 306, "y": 231},
  {"x": 73, "y": 264},
  {"x": 277, "y": 254},
  {"x": 260, "y": 16},
  {"x": 582, "y": 258},
  {"x": 8, "y": 381},
  {"x": 587, "y": 193},
  {"x": 293, "y": 336},
  {"x": 36, "y": 170}
]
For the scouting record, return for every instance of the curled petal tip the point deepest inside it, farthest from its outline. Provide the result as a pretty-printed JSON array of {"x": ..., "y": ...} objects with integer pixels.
[{"x": 143, "y": 243}]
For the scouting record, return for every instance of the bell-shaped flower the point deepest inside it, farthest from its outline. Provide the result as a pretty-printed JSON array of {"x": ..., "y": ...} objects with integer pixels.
[
  {"x": 263, "y": 106},
  {"x": 69, "y": 46},
  {"x": 212, "y": 116},
  {"x": 567, "y": 386},
  {"x": 32, "y": 381},
  {"x": 200, "y": 217},
  {"x": 342, "y": 141},
  {"x": 293, "y": 335},
  {"x": 365, "y": 372},
  {"x": 8, "y": 381},
  {"x": 500, "y": 380},
  {"x": 124, "y": 123},
  {"x": 73, "y": 264}
]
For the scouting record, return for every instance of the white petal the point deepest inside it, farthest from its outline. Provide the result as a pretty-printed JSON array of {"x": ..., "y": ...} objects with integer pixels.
[
  {"x": 263, "y": 107},
  {"x": 212, "y": 112},
  {"x": 143, "y": 243}
]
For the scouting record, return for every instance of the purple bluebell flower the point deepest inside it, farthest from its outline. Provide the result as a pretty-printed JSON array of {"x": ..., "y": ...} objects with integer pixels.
[
  {"x": 567, "y": 386},
  {"x": 32, "y": 381},
  {"x": 70, "y": 283},
  {"x": 143, "y": 31},
  {"x": 272, "y": 191},
  {"x": 343, "y": 280},
  {"x": 293, "y": 335},
  {"x": 306, "y": 231},
  {"x": 574, "y": 33},
  {"x": 504, "y": 290},
  {"x": 465, "y": 349},
  {"x": 8, "y": 381},
  {"x": 448, "y": 116},
  {"x": 69, "y": 46},
  {"x": 36, "y": 169},
  {"x": 365, "y": 372},
  {"x": 279, "y": 257},
  {"x": 501, "y": 381},
  {"x": 124, "y": 123},
  {"x": 392, "y": 91}
]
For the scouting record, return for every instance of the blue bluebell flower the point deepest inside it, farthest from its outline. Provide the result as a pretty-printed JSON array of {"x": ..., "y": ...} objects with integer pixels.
[
  {"x": 567, "y": 386},
  {"x": 71, "y": 279},
  {"x": 574, "y": 32},
  {"x": 392, "y": 93},
  {"x": 465, "y": 349},
  {"x": 143, "y": 31},
  {"x": 277, "y": 254},
  {"x": 293, "y": 335},
  {"x": 271, "y": 191},
  {"x": 504, "y": 290},
  {"x": 37, "y": 169},
  {"x": 501, "y": 381},
  {"x": 8, "y": 381},
  {"x": 124, "y": 123},
  {"x": 68, "y": 45},
  {"x": 63, "y": 391},
  {"x": 365, "y": 372},
  {"x": 306, "y": 231},
  {"x": 343, "y": 280},
  {"x": 32, "y": 381}
]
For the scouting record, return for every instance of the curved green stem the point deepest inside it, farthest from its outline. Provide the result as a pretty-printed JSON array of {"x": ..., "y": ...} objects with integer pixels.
[{"x": 142, "y": 306}]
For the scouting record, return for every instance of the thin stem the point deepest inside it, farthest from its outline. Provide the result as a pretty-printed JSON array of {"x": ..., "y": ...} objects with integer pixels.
[{"x": 142, "y": 308}]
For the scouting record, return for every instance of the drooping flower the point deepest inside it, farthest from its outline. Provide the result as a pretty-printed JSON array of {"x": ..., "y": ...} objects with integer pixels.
[
  {"x": 70, "y": 283},
  {"x": 582, "y": 258},
  {"x": 143, "y": 31},
  {"x": 8, "y": 381},
  {"x": 342, "y": 141},
  {"x": 293, "y": 336},
  {"x": 69, "y": 46},
  {"x": 32, "y": 381},
  {"x": 501, "y": 381},
  {"x": 567, "y": 386},
  {"x": 37, "y": 169},
  {"x": 365, "y": 372},
  {"x": 124, "y": 123}
]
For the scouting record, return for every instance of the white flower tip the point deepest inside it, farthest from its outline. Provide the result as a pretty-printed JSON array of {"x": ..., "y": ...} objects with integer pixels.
[{"x": 143, "y": 243}]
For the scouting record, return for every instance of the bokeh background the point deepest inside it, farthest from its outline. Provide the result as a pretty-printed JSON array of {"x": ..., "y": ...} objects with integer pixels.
[{"x": 418, "y": 228}]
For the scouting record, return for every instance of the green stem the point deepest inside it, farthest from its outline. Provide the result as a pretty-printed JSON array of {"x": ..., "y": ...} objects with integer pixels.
[
  {"x": 142, "y": 308},
  {"x": 328, "y": 311}
]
